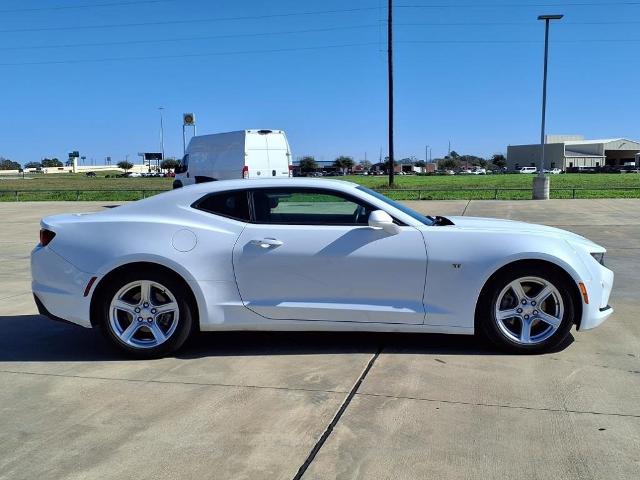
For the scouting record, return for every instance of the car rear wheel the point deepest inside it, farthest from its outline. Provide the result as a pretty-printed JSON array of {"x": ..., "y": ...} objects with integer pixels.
[
  {"x": 527, "y": 311},
  {"x": 146, "y": 314}
]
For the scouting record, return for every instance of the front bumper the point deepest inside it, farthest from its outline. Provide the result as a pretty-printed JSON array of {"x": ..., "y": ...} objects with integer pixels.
[
  {"x": 599, "y": 290},
  {"x": 58, "y": 287}
]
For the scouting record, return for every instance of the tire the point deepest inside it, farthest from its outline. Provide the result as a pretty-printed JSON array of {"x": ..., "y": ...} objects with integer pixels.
[
  {"x": 535, "y": 318},
  {"x": 145, "y": 326}
]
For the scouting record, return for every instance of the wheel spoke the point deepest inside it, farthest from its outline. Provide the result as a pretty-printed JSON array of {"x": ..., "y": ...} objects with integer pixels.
[
  {"x": 145, "y": 291},
  {"x": 525, "y": 332},
  {"x": 166, "y": 308},
  {"x": 518, "y": 290},
  {"x": 130, "y": 331},
  {"x": 124, "y": 306},
  {"x": 505, "y": 314},
  {"x": 542, "y": 296},
  {"x": 158, "y": 334},
  {"x": 549, "y": 319}
]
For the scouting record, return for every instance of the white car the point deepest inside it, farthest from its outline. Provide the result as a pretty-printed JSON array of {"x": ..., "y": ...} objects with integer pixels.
[
  {"x": 311, "y": 254},
  {"x": 553, "y": 171},
  {"x": 528, "y": 170}
]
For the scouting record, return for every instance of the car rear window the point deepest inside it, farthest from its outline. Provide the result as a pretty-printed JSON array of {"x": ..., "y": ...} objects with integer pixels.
[{"x": 226, "y": 204}]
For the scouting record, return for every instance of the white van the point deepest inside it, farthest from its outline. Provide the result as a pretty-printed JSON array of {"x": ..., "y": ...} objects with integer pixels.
[
  {"x": 528, "y": 170},
  {"x": 232, "y": 155}
]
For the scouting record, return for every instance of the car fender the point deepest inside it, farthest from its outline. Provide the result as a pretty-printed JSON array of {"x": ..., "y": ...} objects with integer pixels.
[{"x": 164, "y": 262}]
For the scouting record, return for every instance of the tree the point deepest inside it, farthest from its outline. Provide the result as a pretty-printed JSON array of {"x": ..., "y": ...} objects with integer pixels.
[
  {"x": 344, "y": 163},
  {"x": 499, "y": 160},
  {"x": 453, "y": 154},
  {"x": 33, "y": 165},
  {"x": 420, "y": 163},
  {"x": 449, "y": 164},
  {"x": 308, "y": 164},
  {"x": 51, "y": 163},
  {"x": 169, "y": 164},
  {"x": 125, "y": 165},
  {"x": 365, "y": 164},
  {"x": 6, "y": 164}
]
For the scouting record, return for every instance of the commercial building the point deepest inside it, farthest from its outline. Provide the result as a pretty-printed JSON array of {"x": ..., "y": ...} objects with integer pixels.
[{"x": 572, "y": 151}]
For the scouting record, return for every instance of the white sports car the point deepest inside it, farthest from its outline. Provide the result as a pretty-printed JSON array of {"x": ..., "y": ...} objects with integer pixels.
[{"x": 303, "y": 254}]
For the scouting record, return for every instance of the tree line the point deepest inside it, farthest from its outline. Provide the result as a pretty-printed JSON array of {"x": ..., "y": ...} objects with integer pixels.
[{"x": 453, "y": 161}]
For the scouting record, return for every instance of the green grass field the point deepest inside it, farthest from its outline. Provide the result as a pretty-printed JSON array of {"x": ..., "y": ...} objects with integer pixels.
[{"x": 80, "y": 187}]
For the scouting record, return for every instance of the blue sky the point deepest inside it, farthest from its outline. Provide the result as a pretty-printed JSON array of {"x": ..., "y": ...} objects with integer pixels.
[{"x": 466, "y": 71}]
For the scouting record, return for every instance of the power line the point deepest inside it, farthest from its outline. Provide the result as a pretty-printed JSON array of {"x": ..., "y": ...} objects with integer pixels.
[
  {"x": 182, "y": 39},
  {"x": 195, "y": 20},
  {"x": 461, "y": 24},
  {"x": 294, "y": 49},
  {"x": 86, "y": 5},
  {"x": 603, "y": 40},
  {"x": 520, "y": 5},
  {"x": 185, "y": 55}
]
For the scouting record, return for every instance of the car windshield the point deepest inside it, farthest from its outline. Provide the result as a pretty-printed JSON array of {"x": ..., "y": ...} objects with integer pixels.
[{"x": 427, "y": 220}]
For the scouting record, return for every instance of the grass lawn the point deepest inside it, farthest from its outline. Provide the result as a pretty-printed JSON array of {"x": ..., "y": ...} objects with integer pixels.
[
  {"x": 452, "y": 187},
  {"x": 78, "y": 186}
]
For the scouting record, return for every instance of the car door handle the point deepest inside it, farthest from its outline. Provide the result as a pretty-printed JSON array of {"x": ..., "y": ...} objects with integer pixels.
[{"x": 267, "y": 242}]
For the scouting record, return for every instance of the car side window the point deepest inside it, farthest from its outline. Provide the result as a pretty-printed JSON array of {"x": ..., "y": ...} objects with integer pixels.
[
  {"x": 300, "y": 206},
  {"x": 233, "y": 205}
]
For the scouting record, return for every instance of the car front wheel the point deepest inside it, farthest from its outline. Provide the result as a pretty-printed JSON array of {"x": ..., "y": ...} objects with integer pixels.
[
  {"x": 146, "y": 314},
  {"x": 527, "y": 311}
]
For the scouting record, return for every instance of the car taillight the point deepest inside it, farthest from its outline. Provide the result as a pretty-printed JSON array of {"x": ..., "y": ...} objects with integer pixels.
[
  {"x": 245, "y": 172},
  {"x": 290, "y": 170},
  {"x": 46, "y": 236}
]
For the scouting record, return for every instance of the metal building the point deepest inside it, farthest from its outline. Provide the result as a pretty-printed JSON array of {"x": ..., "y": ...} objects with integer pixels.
[{"x": 569, "y": 151}]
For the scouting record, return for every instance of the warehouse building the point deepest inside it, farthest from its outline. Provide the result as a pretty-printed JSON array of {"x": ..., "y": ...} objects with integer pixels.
[{"x": 572, "y": 151}]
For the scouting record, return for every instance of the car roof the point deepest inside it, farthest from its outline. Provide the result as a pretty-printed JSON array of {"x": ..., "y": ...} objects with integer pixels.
[{"x": 223, "y": 185}]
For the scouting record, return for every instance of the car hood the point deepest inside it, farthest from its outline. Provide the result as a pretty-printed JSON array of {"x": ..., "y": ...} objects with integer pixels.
[{"x": 513, "y": 226}]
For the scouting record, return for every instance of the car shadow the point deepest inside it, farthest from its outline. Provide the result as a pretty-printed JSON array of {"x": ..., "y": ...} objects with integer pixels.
[{"x": 34, "y": 338}]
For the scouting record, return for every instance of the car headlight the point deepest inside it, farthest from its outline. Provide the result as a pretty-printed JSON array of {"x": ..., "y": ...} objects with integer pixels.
[{"x": 599, "y": 256}]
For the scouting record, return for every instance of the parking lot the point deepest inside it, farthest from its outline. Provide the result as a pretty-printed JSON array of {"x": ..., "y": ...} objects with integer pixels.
[{"x": 366, "y": 406}]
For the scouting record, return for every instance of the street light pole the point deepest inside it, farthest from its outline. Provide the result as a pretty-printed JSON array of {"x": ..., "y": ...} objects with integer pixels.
[
  {"x": 541, "y": 182},
  {"x": 390, "y": 76},
  {"x": 161, "y": 132}
]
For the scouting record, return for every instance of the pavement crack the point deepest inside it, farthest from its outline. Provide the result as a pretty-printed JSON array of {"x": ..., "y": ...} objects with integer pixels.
[
  {"x": 499, "y": 405},
  {"x": 465, "y": 208},
  {"x": 336, "y": 418},
  {"x": 172, "y": 382}
]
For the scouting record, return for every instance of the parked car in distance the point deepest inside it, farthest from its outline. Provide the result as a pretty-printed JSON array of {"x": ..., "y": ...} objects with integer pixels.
[
  {"x": 528, "y": 170},
  {"x": 553, "y": 171},
  {"x": 479, "y": 171},
  {"x": 132, "y": 175},
  {"x": 246, "y": 154},
  {"x": 312, "y": 255}
]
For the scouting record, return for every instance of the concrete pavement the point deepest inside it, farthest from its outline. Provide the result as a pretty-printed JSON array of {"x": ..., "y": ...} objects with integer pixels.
[{"x": 258, "y": 405}]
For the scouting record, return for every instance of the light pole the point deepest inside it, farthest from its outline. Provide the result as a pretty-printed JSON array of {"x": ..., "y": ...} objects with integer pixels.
[
  {"x": 161, "y": 133},
  {"x": 541, "y": 182}
]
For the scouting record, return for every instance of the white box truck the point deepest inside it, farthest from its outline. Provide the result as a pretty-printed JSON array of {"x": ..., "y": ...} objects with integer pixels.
[{"x": 232, "y": 155}]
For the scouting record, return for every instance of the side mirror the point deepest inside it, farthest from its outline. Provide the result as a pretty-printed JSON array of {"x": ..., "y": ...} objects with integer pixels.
[{"x": 381, "y": 219}]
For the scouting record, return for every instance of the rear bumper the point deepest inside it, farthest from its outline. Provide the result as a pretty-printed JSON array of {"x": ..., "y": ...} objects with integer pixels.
[{"x": 58, "y": 287}]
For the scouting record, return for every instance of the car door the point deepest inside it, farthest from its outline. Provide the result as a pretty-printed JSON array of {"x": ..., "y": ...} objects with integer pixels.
[{"x": 309, "y": 254}]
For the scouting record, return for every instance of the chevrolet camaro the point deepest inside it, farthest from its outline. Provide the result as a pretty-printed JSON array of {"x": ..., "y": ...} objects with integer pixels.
[{"x": 312, "y": 255}]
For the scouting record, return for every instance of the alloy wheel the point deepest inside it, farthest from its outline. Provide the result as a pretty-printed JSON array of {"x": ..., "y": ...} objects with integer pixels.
[
  {"x": 143, "y": 314},
  {"x": 529, "y": 310}
]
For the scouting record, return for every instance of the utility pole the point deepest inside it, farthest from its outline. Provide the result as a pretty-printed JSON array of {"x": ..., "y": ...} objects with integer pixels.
[
  {"x": 390, "y": 72},
  {"x": 426, "y": 154}
]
